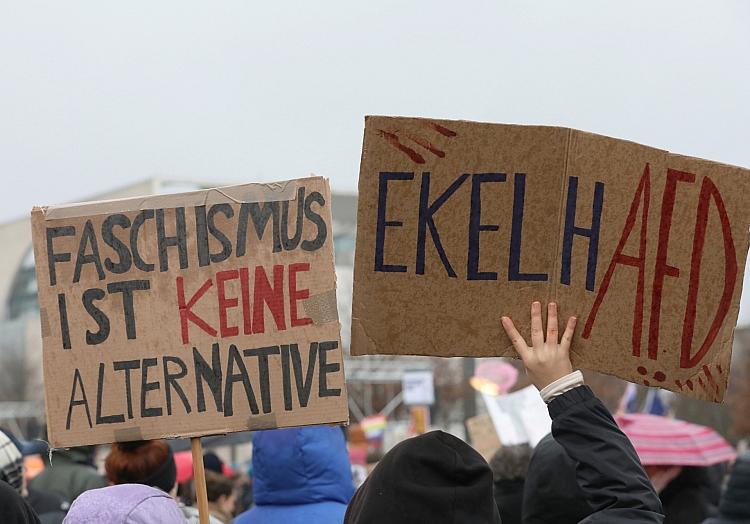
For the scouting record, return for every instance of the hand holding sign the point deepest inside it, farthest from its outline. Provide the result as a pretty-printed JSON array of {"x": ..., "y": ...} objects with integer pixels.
[{"x": 546, "y": 360}]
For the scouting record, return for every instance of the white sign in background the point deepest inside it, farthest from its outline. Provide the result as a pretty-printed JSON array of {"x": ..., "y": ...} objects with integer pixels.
[
  {"x": 519, "y": 417},
  {"x": 418, "y": 388}
]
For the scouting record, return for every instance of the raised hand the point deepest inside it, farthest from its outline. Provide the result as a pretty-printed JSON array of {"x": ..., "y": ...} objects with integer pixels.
[{"x": 546, "y": 360}]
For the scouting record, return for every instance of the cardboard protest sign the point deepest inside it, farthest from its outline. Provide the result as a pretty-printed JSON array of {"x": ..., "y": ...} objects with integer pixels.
[
  {"x": 189, "y": 314},
  {"x": 483, "y": 435},
  {"x": 461, "y": 222}
]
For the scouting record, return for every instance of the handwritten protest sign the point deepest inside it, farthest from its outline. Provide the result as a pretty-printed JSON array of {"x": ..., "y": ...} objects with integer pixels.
[
  {"x": 189, "y": 314},
  {"x": 460, "y": 223}
]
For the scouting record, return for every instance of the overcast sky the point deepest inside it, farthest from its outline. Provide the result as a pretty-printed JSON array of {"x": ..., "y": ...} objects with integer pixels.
[{"x": 95, "y": 95}]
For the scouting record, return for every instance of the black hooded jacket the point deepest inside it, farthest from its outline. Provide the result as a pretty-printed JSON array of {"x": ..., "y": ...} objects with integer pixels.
[
  {"x": 13, "y": 509},
  {"x": 434, "y": 478},
  {"x": 590, "y": 472}
]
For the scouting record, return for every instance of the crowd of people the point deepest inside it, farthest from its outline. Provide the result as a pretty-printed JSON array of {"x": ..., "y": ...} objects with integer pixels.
[{"x": 585, "y": 470}]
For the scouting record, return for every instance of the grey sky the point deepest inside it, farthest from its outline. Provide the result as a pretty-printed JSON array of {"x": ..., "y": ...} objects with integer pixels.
[{"x": 95, "y": 95}]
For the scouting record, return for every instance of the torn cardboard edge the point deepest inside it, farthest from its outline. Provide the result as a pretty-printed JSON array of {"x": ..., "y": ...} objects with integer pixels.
[
  {"x": 236, "y": 194},
  {"x": 668, "y": 153},
  {"x": 703, "y": 382}
]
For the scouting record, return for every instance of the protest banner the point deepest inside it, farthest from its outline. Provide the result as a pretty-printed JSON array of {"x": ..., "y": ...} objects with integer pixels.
[
  {"x": 190, "y": 314},
  {"x": 461, "y": 222}
]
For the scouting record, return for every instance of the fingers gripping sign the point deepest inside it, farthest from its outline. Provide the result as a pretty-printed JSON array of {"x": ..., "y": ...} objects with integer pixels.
[{"x": 547, "y": 359}]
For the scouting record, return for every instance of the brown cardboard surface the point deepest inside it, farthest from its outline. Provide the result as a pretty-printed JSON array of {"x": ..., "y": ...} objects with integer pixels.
[
  {"x": 483, "y": 435},
  {"x": 658, "y": 310},
  {"x": 222, "y": 302}
]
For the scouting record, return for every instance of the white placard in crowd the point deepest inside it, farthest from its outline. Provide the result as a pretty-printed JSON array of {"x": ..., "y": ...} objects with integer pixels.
[
  {"x": 519, "y": 417},
  {"x": 418, "y": 388}
]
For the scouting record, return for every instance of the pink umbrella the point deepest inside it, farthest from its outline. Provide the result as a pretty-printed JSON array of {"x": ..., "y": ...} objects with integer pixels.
[
  {"x": 184, "y": 462},
  {"x": 661, "y": 441}
]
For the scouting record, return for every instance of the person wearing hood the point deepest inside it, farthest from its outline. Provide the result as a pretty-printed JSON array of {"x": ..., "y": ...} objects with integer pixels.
[
  {"x": 734, "y": 506},
  {"x": 592, "y": 460},
  {"x": 435, "y": 478},
  {"x": 300, "y": 475},
  {"x": 124, "y": 504},
  {"x": 69, "y": 473}
]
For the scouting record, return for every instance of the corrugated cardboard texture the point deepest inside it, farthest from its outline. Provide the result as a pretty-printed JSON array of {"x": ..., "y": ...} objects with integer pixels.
[
  {"x": 138, "y": 302},
  {"x": 512, "y": 214}
]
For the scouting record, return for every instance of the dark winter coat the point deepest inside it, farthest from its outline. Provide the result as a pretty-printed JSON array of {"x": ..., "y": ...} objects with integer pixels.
[
  {"x": 597, "y": 480},
  {"x": 509, "y": 499},
  {"x": 13, "y": 508},
  {"x": 433, "y": 478},
  {"x": 686, "y": 499},
  {"x": 734, "y": 507},
  {"x": 69, "y": 474},
  {"x": 50, "y": 507}
]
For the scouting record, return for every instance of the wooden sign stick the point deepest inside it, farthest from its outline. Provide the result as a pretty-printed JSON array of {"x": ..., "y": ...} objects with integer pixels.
[{"x": 199, "y": 476}]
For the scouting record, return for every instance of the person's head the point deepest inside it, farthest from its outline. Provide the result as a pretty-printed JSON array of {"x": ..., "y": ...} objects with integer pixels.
[
  {"x": 125, "y": 504},
  {"x": 301, "y": 466},
  {"x": 220, "y": 491},
  {"x": 510, "y": 462},
  {"x": 148, "y": 462},
  {"x": 212, "y": 462},
  {"x": 509, "y": 466},
  {"x": 434, "y": 478},
  {"x": 11, "y": 463},
  {"x": 551, "y": 492}
]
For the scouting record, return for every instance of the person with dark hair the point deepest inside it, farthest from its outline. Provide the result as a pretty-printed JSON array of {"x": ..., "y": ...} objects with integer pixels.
[
  {"x": 300, "y": 476},
  {"x": 734, "y": 506},
  {"x": 13, "y": 508},
  {"x": 601, "y": 460},
  {"x": 69, "y": 473},
  {"x": 221, "y": 496},
  {"x": 212, "y": 462},
  {"x": 509, "y": 466}
]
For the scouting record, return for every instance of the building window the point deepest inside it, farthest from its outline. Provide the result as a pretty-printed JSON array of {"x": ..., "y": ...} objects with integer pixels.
[{"x": 23, "y": 292}]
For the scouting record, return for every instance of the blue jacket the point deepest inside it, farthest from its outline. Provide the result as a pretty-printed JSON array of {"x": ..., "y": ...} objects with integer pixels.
[{"x": 300, "y": 475}]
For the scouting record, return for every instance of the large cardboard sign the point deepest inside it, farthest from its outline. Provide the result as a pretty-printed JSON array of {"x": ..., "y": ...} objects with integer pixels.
[
  {"x": 189, "y": 314},
  {"x": 461, "y": 222}
]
